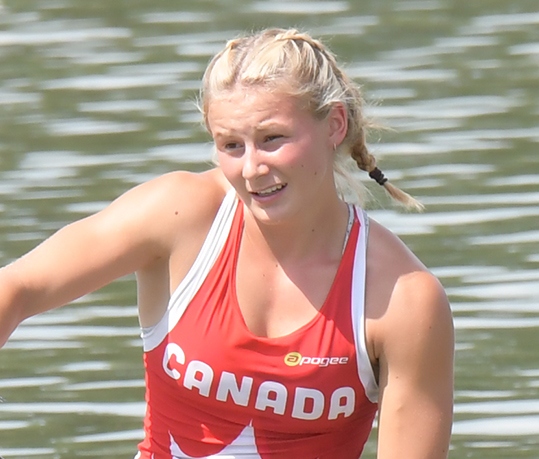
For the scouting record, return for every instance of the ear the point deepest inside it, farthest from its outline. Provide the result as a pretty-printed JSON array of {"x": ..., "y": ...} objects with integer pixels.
[{"x": 338, "y": 124}]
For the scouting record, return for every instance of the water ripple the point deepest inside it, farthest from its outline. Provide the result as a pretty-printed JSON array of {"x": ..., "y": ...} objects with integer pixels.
[
  {"x": 290, "y": 7},
  {"x": 60, "y": 36},
  {"x": 501, "y": 426},
  {"x": 114, "y": 409}
]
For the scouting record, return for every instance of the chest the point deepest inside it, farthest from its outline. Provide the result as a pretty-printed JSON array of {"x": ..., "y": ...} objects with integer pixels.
[
  {"x": 310, "y": 374},
  {"x": 275, "y": 300}
]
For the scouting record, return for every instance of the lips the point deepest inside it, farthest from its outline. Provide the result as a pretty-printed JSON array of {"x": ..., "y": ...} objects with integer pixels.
[{"x": 269, "y": 191}]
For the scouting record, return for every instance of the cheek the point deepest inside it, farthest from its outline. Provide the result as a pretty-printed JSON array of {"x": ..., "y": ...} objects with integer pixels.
[
  {"x": 310, "y": 159},
  {"x": 231, "y": 168}
]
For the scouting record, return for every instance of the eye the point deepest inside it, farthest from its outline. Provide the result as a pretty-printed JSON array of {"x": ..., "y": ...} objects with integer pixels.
[
  {"x": 273, "y": 137},
  {"x": 231, "y": 146}
]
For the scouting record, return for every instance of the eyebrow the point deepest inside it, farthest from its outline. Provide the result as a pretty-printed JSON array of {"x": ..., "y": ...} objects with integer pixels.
[{"x": 264, "y": 126}]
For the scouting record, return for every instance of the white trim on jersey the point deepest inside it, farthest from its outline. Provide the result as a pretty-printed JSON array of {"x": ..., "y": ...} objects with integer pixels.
[
  {"x": 189, "y": 286},
  {"x": 366, "y": 374}
]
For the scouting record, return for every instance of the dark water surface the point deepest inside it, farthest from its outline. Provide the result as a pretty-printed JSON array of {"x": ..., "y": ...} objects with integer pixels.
[{"x": 98, "y": 96}]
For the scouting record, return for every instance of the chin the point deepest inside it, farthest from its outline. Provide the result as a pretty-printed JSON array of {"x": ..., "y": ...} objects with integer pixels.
[{"x": 271, "y": 215}]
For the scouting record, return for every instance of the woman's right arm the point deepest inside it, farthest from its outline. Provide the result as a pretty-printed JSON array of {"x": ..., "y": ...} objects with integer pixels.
[{"x": 136, "y": 230}]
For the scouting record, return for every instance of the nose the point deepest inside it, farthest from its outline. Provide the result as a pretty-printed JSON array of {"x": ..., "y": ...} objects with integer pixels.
[{"x": 254, "y": 164}]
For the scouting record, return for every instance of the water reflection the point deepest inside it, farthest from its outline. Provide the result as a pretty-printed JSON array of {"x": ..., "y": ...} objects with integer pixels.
[{"x": 96, "y": 97}]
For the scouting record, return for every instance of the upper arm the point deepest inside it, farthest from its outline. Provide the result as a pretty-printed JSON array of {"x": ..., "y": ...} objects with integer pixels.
[
  {"x": 137, "y": 229},
  {"x": 83, "y": 256},
  {"x": 416, "y": 371}
]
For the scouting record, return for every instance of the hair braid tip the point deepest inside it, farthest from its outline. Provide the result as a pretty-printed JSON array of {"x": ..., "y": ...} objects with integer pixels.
[{"x": 401, "y": 197}]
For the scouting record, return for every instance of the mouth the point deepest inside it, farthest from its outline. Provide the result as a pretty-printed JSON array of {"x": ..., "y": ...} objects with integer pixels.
[{"x": 269, "y": 191}]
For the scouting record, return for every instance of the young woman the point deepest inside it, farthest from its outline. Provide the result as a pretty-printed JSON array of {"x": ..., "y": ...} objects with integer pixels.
[{"x": 277, "y": 319}]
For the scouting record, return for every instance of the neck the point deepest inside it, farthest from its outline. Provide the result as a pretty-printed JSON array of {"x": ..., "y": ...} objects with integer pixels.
[{"x": 319, "y": 232}]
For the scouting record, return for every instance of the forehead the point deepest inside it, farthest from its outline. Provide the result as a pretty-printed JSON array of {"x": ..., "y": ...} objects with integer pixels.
[{"x": 254, "y": 105}]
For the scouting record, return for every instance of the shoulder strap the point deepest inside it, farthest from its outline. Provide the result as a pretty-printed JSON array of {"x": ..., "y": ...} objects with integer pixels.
[
  {"x": 188, "y": 287},
  {"x": 366, "y": 374}
]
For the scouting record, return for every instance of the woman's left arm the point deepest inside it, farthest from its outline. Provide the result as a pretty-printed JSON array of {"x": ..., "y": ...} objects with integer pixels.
[{"x": 416, "y": 371}]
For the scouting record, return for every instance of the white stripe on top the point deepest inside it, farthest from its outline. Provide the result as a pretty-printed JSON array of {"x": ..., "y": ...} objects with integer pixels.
[
  {"x": 189, "y": 286},
  {"x": 366, "y": 374}
]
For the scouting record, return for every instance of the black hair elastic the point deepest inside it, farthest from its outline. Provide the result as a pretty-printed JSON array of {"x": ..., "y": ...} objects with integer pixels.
[{"x": 378, "y": 175}]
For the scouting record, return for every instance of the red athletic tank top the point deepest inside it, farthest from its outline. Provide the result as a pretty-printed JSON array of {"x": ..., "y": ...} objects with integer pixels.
[{"x": 215, "y": 390}]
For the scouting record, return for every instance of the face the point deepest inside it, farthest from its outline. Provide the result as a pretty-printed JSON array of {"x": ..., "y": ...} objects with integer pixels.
[{"x": 277, "y": 156}]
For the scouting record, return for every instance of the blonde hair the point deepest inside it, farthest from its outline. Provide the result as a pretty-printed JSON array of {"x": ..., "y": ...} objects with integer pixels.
[{"x": 299, "y": 65}]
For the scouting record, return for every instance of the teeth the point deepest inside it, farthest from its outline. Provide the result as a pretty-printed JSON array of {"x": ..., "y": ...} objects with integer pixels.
[{"x": 270, "y": 190}]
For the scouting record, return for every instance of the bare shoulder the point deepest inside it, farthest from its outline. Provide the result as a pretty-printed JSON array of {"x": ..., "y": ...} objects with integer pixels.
[
  {"x": 173, "y": 216},
  {"x": 403, "y": 297},
  {"x": 138, "y": 232},
  {"x": 410, "y": 338},
  {"x": 171, "y": 205},
  {"x": 185, "y": 193}
]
